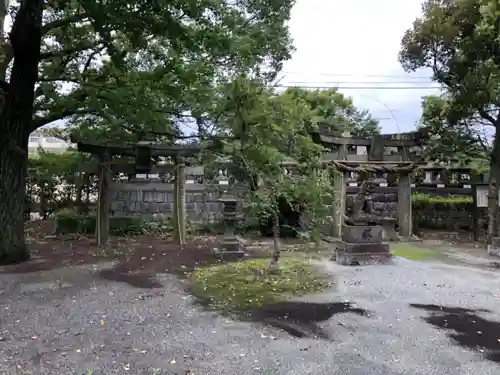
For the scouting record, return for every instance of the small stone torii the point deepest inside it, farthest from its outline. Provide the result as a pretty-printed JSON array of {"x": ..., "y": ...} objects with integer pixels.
[
  {"x": 144, "y": 153},
  {"x": 362, "y": 235},
  {"x": 379, "y": 159}
]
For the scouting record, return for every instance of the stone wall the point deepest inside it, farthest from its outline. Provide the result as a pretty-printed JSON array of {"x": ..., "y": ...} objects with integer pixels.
[
  {"x": 150, "y": 199},
  {"x": 426, "y": 216}
]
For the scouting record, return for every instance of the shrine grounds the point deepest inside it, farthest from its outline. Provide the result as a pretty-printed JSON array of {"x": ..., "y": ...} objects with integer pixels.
[{"x": 127, "y": 309}]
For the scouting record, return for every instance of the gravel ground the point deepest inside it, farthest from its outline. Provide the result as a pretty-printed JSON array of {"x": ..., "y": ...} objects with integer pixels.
[{"x": 70, "y": 321}]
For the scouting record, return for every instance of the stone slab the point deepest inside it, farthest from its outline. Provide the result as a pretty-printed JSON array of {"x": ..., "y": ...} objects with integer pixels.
[
  {"x": 494, "y": 248},
  {"x": 362, "y": 233},
  {"x": 225, "y": 255},
  {"x": 347, "y": 253},
  {"x": 390, "y": 233},
  {"x": 364, "y": 248},
  {"x": 230, "y": 248},
  {"x": 351, "y": 259}
]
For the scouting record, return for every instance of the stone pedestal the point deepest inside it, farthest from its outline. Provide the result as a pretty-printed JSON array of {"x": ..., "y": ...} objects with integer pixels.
[
  {"x": 362, "y": 244},
  {"x": 230, "y": 247},
  {"x": 494, "y": 248}
]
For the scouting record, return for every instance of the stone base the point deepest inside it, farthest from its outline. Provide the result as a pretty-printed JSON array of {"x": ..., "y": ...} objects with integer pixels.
[
  {"x": 390, "y": 233},
  {"x": 348, "y": 253},
  {"x": 229, "y": 255},
  {"x": 229, "y": 249},
  {"x": 494, "y": 248}
]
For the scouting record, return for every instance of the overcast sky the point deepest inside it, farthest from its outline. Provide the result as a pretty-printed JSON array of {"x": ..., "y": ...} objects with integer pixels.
[{"x": 344, "y": 42}]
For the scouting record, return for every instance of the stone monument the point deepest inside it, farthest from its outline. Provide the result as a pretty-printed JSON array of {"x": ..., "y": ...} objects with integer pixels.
[
  {"x": 363, "y": 234},
  {"x": 230, "y": 246}
]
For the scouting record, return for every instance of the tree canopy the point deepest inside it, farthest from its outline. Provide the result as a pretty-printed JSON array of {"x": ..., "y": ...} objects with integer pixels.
[
  {"x": 109, "y": 66},
  {"x": 144, "y": 71},
  {"x": 121, "y": 70},
  {"x": 458, "y": 41},
  {"x": 463, "y": 141}
]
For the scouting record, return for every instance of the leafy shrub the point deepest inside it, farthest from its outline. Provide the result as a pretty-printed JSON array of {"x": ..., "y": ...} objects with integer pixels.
[
  {"x": 289, "y": 219},
  {"x": 448, "y": 200},
  {"x": 442, "y": 212},
  {"x": 218, "y": 228},
  {"x": 66, "y": 223}
]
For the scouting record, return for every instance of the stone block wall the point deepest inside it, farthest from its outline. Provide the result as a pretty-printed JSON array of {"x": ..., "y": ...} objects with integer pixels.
[{"x": 150, "y": 199}]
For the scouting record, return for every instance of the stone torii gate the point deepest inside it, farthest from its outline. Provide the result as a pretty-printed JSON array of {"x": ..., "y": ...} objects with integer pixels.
[
  {"x": 385, "y": 154},
  {"x": 144, "y": 154}
]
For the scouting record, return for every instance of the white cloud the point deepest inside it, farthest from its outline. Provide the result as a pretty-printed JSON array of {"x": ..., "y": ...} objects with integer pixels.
[{"x": 355, "y": 43}]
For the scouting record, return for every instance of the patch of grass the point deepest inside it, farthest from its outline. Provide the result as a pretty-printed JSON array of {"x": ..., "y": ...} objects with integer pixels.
[
  {"x": 413, "y": 252},
  {"x": 247, "y": 284}
]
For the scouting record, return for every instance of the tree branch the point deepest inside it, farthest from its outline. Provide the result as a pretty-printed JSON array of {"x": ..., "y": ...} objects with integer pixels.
[
  {"x": 39, "y": 121},
  {"x": 64, "y": 21},
  {"x": 485, "y": 115},
  {"x": 67, "y": 51}
]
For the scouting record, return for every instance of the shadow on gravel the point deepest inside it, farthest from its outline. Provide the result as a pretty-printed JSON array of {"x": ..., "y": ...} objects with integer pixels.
[
  {"x": 300, "y": 319},
  {"x": 470, "y": 330}
]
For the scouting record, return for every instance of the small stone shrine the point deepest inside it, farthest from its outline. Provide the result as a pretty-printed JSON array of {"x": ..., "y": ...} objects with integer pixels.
[
  {"x": 230, "y": 246},
  {"x": 363, "y": 233}
]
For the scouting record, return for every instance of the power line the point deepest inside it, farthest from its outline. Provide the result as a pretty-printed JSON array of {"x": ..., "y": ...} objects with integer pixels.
[
  {"x": 360, "y": 83},
  {"x": 357, "y": 75},
  {"x": 340, "y": 87}
]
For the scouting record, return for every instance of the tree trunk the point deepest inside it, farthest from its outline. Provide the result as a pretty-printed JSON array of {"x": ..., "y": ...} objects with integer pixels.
[
  {"x": 13, "y": 170},
  {"x": 493, "y": 229},
  {"x": 276, "y": 243},
  {"x": 493, "y": 188},
  {"x": 15, "y": 127}
]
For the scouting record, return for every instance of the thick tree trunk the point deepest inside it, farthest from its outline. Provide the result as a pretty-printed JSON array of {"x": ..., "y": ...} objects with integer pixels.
[
  {"x": 493, "y": 188},
  {"x": 492, "y": 205},
  {"x": 13, "y": 169},
  {"x": 15, "y": 127}
]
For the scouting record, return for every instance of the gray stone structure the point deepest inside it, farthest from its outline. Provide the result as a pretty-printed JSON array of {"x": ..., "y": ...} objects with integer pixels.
[
  {"x": 363, "y": 232},
  {"x": 149, "y": 199},
  {"x": 362, "y": 244},
  {"x": 230, "y": 246}
]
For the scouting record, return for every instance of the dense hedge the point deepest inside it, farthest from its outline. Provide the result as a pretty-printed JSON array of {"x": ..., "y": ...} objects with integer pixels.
[
  {"x": 420, "y": 199},
  {"x": 86, "y": 224},
  {"x": 442, "y": 212}
]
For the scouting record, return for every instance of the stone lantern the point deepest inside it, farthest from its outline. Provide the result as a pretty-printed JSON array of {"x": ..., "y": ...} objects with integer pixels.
[{"x": 230, "y": 246}]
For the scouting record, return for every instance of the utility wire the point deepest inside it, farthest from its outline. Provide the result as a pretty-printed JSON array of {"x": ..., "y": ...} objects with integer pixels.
[
  {"x": 359, "y": 83},
  {"x": 356, "y": 75},
  {"x": 340, "y": 87}
]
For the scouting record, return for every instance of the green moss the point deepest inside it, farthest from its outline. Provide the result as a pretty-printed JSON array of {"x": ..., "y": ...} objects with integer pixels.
[
  {"x": 423, "y": 199},
  {"x": 413, "y": 252},
  {"x": 246, "y": 284}
]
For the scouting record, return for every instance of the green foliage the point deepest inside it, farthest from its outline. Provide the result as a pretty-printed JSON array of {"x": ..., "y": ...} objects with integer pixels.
[
  {"x": 452, "y": 139},
  {"x": 276, "y": 153},
  {"x": 420, "y": 199},
  {"x": 57, "y": 179},
  {"x": 245, "y": 285},
  {"x": 330, "y": 111},
  {"x": 119, "y": 70},
  {"x": 458, "y": 41},
  {"x": 437, "y": 212},
  {"x": 67, "y": 223}
]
